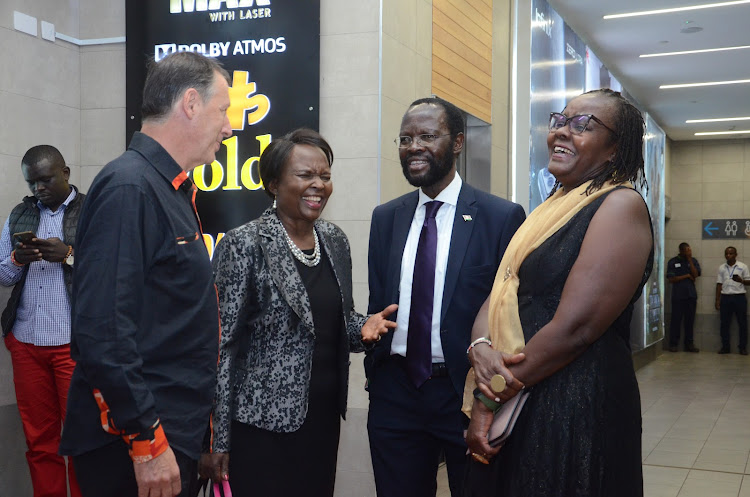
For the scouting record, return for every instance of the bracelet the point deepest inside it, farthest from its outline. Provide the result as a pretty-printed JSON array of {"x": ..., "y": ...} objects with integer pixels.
[
  {"x": 489, "y": 403},
  {"x": 477, "y": 342},
  {"x": 14, "y": 261},
  {"x": 70, "y": 251}
]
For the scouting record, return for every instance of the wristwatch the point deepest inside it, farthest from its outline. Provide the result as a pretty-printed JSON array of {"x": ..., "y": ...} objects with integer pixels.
[{"x": 69, "y": 257}]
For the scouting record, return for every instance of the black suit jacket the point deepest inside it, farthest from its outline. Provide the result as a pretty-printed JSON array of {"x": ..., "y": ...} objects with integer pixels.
[{"x": 482, "y": 228}]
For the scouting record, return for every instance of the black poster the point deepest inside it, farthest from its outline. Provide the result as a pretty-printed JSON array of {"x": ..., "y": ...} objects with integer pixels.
[{"x": 271, "y": 49}]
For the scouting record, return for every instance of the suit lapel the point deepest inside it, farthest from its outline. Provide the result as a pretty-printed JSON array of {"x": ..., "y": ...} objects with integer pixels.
[
  {"x": 402, "y": 218},
  {"x": 333, "y": 250},
  {"x": 283, "y": 271},
  {"x": 463, "y": 225}
]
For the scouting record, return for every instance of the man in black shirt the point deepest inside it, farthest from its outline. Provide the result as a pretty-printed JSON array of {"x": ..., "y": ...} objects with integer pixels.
[
  {"x": 145, "y": 324},
  {"x": 682, "y": 272}
]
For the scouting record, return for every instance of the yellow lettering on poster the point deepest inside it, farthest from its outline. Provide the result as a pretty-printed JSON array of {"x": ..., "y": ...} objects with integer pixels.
[
  {"x": 241, "y": 101},
  {"x": 210, "y": 244},
  {"x": 246, "y": 176},
  {"x": 247, "y": 168},
  {"x": 217, "y": 176}
]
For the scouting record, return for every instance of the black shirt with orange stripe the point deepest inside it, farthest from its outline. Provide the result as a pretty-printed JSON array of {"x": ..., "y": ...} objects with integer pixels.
[{"x": 145, "y": 323}]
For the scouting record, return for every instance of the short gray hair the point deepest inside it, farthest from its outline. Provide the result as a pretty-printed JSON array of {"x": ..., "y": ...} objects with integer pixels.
[{"x": 169, "y": 78}]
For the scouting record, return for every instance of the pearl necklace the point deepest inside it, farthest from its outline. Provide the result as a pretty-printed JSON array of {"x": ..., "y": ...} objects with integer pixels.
[{"x": 308, "y": 260}]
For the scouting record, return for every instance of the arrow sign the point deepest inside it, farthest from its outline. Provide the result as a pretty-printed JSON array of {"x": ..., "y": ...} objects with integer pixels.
[{"x": 709, "y": 228}]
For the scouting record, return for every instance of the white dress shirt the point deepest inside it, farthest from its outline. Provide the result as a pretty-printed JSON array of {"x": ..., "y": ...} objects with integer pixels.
[
  {"x": 728, "y": 285},
  {"x": 444, "y": 221}
]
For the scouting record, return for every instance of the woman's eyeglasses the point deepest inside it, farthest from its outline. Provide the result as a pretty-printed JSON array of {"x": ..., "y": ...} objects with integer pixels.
[{"x": 576, "y": 124}]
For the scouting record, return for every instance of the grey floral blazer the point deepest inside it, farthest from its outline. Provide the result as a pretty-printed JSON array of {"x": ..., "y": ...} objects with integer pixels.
[{"x": 267, "y": 333}]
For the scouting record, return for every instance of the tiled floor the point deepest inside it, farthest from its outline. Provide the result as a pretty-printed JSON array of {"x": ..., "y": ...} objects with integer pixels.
[{"x": 696, "y": 425}]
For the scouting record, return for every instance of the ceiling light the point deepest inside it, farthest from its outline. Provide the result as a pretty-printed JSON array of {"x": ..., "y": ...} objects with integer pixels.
[
  {"x": 688, "y": 30},
  {"x": 688, "y": 52},
  {"x": 709, "y": 83},
  {"x": 676, "y": 9},
  {"x": 739, "y": 132},
  {"x": 719, "y": 120}
]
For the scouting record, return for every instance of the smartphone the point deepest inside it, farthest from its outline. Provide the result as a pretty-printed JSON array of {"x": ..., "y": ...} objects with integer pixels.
[{"x": 24, "y": 236}]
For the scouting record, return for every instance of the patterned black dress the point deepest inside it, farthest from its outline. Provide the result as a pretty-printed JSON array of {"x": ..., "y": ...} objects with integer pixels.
[{"x": 580, "y": 431}]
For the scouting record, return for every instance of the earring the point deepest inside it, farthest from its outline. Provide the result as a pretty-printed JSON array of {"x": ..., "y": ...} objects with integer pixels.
[{"x": 274, "y": 202}]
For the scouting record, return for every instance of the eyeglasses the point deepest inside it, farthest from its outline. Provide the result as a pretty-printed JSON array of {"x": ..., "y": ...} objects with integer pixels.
[
  {"x": 576, "y": 124},
  {"x": 426, "y": 139}
]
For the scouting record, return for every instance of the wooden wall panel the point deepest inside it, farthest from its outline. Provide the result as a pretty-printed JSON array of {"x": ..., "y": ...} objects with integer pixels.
[{"x": 462, "y": 54}]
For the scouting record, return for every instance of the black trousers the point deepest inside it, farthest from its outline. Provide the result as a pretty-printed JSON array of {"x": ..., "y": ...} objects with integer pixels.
[
  {"x": 737, "y": 305},
  {"x": 108, "y": 471},
  {"x": 408, "y": 429},
  {"x": 682, "y": 310}
]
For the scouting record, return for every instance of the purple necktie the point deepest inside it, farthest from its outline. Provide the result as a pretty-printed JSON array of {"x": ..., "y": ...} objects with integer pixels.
[{"x": 419, "y": 338}]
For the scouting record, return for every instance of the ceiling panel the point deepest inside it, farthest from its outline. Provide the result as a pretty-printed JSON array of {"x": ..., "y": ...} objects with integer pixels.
[{"x": 619, "y": 42}]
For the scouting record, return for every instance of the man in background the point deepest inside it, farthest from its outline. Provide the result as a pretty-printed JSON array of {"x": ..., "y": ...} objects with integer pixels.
[
  {"x": 36, "y": 321},
  {"x": 145, "y": 311},
  {"x": 681, "y": 273},
  {"x": 435, "y": 252},
  {"x": 731, "y": 298}
]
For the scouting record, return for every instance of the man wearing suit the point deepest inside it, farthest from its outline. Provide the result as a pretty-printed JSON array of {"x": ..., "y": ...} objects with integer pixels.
[{"x": 435, "y": 252}]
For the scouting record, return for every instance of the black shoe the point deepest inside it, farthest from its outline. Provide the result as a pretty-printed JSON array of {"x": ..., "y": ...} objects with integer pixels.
[
  {"x": 724, "y": 350},
  {"x": 691, "y": 348},
  {"x": 672, "y": 348},
  {"x": 743, "y": 351}
]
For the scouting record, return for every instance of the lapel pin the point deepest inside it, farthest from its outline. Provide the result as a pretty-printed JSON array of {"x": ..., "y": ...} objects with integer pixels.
[{"x": 467, "y": 217}]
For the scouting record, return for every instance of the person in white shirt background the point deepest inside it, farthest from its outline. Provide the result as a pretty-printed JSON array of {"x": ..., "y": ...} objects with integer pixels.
[{"x": 731, "y": 281}]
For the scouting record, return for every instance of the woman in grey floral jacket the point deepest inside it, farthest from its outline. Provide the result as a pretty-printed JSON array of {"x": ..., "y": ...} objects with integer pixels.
[{"x": 288, "y": 325}]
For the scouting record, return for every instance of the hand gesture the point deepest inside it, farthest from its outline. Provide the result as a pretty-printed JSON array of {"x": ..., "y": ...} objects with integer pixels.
[
  {"x": 476, "y": 435},
  {"x": 159, "y": 477},
  {"x": 377, "y": 325},
  {"x": 214, "y": 466},
  {"x": 52, "y": 249},
  {"x": 26, "y": 253},
  {"x": 487, "y": 363}
]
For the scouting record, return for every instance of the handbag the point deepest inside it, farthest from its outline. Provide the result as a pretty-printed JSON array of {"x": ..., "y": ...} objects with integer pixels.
[{"x": 505, "y": 419}]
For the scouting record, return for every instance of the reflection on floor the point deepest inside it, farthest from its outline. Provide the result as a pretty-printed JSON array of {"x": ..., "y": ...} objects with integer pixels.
[{"x": 696, "y": 425}]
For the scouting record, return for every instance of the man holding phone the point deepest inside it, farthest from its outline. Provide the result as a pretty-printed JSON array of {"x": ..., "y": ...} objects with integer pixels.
[{"x": 36, "y": 258}]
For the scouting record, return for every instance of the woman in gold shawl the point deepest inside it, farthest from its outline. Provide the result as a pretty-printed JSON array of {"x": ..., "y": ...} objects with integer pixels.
[{"x": 558, "y": 320}]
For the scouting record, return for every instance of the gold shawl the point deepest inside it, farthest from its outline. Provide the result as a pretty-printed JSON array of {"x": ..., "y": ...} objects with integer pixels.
[{"x": 506, "y": 333}]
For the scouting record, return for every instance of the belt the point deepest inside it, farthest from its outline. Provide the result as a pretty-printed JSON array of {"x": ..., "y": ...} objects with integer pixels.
[{"x": 439, "y": 369}]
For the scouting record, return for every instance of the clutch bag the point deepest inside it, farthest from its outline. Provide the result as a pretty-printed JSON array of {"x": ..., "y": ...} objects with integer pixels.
[{"x": 505, "y": 419}]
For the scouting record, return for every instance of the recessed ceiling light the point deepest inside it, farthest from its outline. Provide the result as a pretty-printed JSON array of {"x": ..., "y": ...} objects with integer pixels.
[
  {"x": 688, "y": 52},
  {"x": 738, "y": 132},
  {"x": 709, "y": 83},
  {"x": 688, "y": 30},
  {"x": 676, "y": 9},
  {"x": 718, "y": 120}
]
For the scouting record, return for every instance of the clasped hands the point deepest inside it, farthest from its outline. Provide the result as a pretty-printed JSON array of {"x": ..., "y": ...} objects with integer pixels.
[
  {"x": 487, "y": 363},
  {"x": 50, "y": 250}
]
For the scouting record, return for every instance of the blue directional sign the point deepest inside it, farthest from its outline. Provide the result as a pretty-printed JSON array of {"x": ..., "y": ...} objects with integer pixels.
[{"x": 725, "y": 229}]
